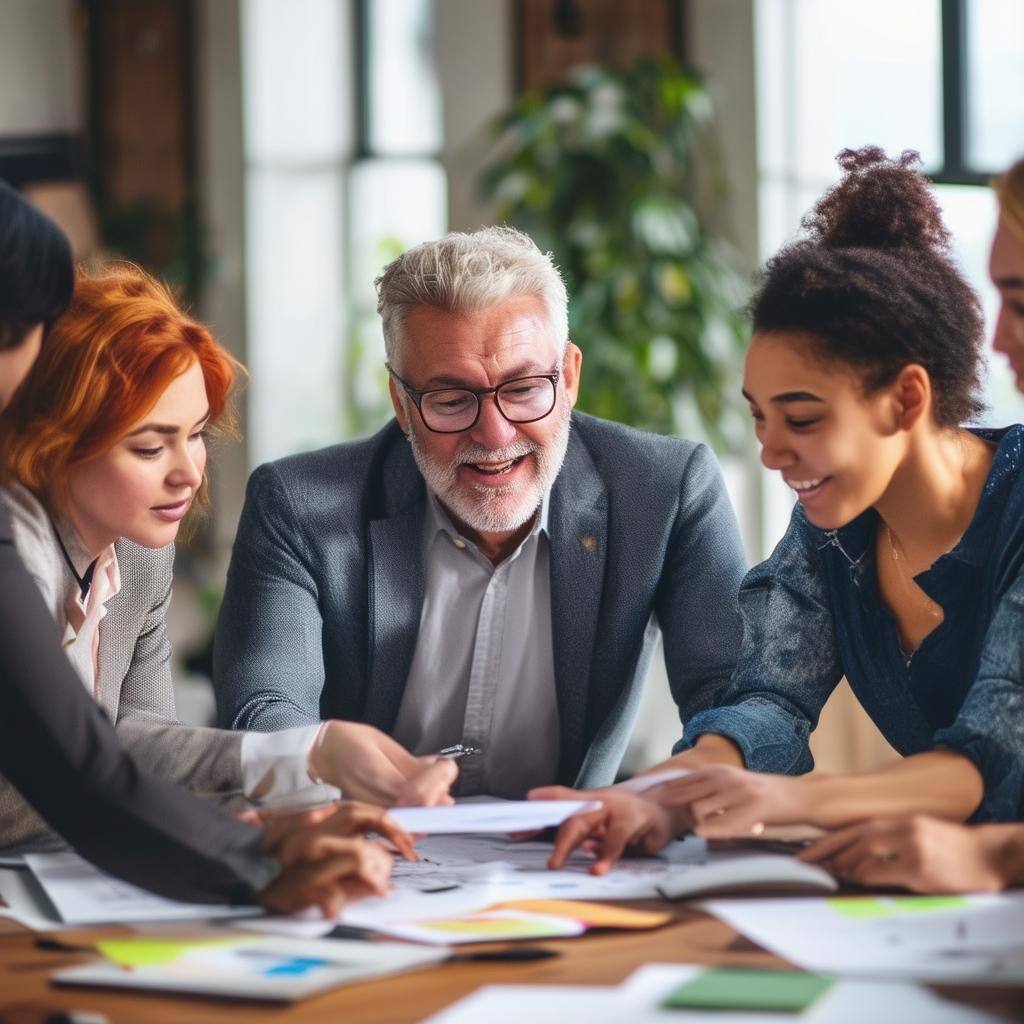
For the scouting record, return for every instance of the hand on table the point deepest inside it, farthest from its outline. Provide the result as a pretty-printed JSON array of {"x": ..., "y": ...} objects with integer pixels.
[
  {"x": 367, "y": 764},
  {"x": 923, "y": 854},
  {"x": 625, "y": 820},
  {"x": 325, "y": 861}
]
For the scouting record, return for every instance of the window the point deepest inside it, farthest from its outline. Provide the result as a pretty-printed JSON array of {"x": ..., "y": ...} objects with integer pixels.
[
  {"x": 398, "y": 189},
  {"x": 943, "y": 77}
]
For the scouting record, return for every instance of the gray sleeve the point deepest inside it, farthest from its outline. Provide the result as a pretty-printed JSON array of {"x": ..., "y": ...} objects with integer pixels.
[
  {"x": 696, "y": 604},
  {"x": 206, "y": 761},
  {"x": 61, "y": 753},
  {"x": 268, "y": 650}
]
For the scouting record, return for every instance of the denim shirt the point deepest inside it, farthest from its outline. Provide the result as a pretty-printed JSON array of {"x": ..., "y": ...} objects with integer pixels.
[{"x": 813, "y": 612}]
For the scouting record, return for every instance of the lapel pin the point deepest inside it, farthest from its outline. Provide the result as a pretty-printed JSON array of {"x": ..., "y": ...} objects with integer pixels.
[{"x": 589, "y": 543}]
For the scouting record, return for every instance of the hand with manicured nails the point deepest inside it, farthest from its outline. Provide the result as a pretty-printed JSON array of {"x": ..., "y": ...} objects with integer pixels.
[
  {"x": 923, "y": 854},
  {"x": 624, "y": 821},
  {"x": 367, "y": 764}
]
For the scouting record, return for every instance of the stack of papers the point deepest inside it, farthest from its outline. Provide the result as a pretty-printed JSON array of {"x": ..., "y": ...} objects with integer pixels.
[
  {"x": 656, "y": 994},
  {"x": 247, "y": 967},
  {"x": 82, "y": 894},
  {"x": 962, "y": 939}
]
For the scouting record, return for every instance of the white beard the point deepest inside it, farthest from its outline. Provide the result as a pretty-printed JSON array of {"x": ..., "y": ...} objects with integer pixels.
[{"x": 500, "y": 509}]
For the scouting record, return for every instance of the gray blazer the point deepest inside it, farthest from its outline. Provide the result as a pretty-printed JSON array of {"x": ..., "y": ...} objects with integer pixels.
[
  {"x": 326, "y": 584},
  {"x": 134, "y": 681}
]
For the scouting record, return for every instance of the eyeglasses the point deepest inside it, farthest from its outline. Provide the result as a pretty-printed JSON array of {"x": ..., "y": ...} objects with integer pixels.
[{"x": 452, "y": 410}]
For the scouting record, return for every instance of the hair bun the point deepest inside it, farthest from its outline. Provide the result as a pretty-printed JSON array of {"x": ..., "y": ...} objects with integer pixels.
[{"x": 880, "y": 203}]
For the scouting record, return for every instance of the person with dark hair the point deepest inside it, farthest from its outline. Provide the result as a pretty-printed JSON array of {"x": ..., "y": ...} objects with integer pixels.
[
  {"x": 36, "y": 279},
  {"x": 903, "y": 565},
  {"x": 919, "y": 852},
  {"x": 61, "y": 752}
]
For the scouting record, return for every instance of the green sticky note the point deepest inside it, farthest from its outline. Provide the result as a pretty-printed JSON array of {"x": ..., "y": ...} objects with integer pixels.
[
  {"x": 156, "y": 952},
  {"x": 927, "y": 904},
  {"x": 859, "y": 907},
  {"x": 734, "y": 988}
]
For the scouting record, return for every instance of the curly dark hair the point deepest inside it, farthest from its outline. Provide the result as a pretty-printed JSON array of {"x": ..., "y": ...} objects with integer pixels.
[{"x": 873, "y": 283}]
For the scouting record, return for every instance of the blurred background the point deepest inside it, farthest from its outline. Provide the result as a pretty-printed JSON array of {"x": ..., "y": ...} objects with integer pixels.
[{"x": 270, "y": 156}]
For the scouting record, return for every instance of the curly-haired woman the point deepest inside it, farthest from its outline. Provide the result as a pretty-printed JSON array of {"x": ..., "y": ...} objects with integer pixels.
[{"x": 903, "y": 565}]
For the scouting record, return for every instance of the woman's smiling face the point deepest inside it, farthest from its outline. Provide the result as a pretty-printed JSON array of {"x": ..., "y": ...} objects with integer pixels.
[{"x": 837, "y": 447}]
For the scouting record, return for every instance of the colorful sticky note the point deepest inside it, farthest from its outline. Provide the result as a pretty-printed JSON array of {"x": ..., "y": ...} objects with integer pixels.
[
  {"x": 157, "y": 952},
  {"x": 593, "y": 915},
  {"x": 731, "y": 988},
  {"x": 859, "y": 908},
  {"x": 486, "y": 927}
]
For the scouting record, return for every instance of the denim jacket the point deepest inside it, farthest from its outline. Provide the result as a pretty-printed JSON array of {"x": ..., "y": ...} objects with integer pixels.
[{"x": 813, "y": 612}]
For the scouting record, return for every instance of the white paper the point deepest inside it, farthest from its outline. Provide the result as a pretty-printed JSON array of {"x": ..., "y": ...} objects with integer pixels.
[
  {"x": 846, "y": 1002},
  {"x": 749, "y": 872},
  {"x": 544, "y": 926},
  {"x": 82, "y": 894},
  {"x": 535, "y": 1004},
  {"x": 642, "y": 783},
  {"x": 26, "y": 902},
  {"x": 494, "y": 816},
  {"x": 637, "y": 1001},
  {"x": 238, "y": 970},
  {"x": 458, "y": 874},
  {"x": 980, "y": 941}
]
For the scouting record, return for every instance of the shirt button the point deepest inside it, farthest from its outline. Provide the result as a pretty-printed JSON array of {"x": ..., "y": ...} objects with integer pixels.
[{"x": 459, "y": 543}]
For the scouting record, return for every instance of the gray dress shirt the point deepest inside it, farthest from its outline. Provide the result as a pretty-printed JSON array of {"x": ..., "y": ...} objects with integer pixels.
[{"x": 483, "y": 672}]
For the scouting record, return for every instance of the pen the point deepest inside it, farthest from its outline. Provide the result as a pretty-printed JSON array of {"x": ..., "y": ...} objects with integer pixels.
[
  {"x": 760, "y": 845},
  {"x": 517, "y": 954},
  {"x": 458, "y": 750}
]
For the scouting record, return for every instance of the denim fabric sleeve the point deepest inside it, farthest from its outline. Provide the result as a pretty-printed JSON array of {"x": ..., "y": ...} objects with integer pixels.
[
  {"x": 788, "y": 662},
  {"x": 696, "y": 600},
  {"x": 268, "y": 658},
  {"x": 990, "y": 726}
]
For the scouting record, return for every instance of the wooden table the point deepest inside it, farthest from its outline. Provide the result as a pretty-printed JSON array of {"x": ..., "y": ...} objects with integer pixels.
[{"x": 26, "y": 997}]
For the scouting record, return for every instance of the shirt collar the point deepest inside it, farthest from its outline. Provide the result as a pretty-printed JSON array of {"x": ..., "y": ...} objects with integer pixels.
[
  {"x": 106, "y": 562},
  {"x": 857, "y": 538},
  {"x": 437, "y": 521}
]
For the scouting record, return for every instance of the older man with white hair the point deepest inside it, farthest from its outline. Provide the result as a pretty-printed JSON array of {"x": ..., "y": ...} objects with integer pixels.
[{"x": 491, "y": 568}]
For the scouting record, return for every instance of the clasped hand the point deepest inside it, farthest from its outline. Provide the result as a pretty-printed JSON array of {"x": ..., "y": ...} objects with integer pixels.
[
  {"x": 367, "y": 764},
  {"x": 325, "y": 861}
]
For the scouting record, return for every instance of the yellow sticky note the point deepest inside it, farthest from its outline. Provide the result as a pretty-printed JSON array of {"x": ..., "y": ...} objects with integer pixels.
[
  {"x": 593, "y": 915},
  {"x": 155, "y": 952}
]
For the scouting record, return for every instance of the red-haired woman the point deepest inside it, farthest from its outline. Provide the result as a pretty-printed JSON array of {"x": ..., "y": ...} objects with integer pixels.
[{"x": 105, "y": 454}]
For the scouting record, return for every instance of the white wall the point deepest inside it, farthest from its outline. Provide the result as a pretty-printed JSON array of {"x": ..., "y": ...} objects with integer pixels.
[
  {"x": 39, "y": 68},
  {"x": 718, "y": 41},
  {"x": 220, "y": 171},
  {"x": 476, "y": 50},
  {"x": 299, "y": 128}
]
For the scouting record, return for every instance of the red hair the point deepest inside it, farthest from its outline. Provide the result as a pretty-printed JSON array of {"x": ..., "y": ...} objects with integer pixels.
[{"x": 104, "y": 364}]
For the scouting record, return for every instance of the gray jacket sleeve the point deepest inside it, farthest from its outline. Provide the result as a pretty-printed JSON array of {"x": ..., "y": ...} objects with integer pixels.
[
  {"x": 62, "y": 754},
  {"x": 268, "y": 653},
  {"x": 696, "y": 603},
  {"x": 206, "y": 761}
]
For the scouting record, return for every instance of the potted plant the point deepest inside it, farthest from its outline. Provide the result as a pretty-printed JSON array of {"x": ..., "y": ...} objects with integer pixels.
[{"x": 600, "y": 169}]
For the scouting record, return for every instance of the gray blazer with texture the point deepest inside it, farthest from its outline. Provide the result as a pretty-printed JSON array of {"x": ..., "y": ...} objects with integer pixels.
[
  {"x": 134, "y": 681},
  {"x": 326, "y": 587}
]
